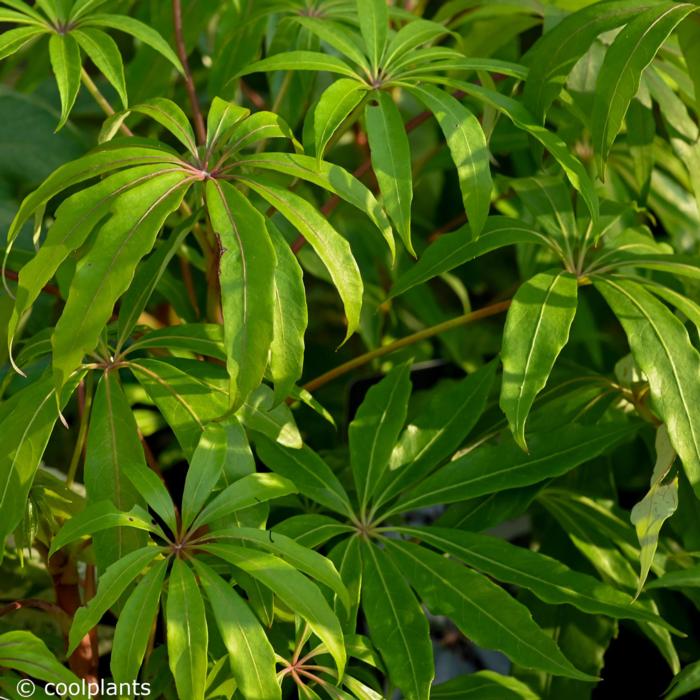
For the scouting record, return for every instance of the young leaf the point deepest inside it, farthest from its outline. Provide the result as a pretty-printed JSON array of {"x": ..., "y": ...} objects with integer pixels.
[
  {"x": 397, "y": 625},
  {"x": 187, "y": 634},
  {"x": 293, "y": 588},
  {"x": 113, "y": 582},
  {"x": 375, "y": 429},
  {"x": 246, "y": 276},
  {"x": 662, "y": 348},
  {"x": 391, "y": 161},
  {"x": 330, "y": 246},
  {"x": 131, "y": 634},
  {"x": 251, "y": 654},
  {"x": 289, "y": 320},
  {"x": 482, "y": 610},
  {"x": 169, "y": 114},
  {"x": 335, "y": 105},
  {"x": 631, "y": 52},
  {"x": 65, "y": 62},
  {"x": 537, "y": 328},
  {"x": 223, "y": 115},
  {"x": 374, "y": 24},
  {"x": 470, "y": 153},
  {"x": 112, "y": 442}
]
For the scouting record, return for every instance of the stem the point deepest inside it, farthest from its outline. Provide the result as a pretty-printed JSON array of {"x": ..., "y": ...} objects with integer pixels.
[
  {"x": 101, "y": 100},
  {"x": 46, "y": 289},
  {"x": 86, "y": 391},
  {"x": 429, "y": 332},
  {"x": 189, "y": 82}
]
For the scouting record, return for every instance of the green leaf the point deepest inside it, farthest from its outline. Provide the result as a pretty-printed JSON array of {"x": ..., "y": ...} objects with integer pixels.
[
  {"x": 135, "y": 621},
  {"x": 13, "y": 40},
  {"x": 334, "y": 107},
  {"x": 375, "y": 429},
  {"x": 455, "y": 249},
  {"x": 251, "y": 654},
  {"x": 470, "y": 153},
  {"x": 339, "y": 36},
  {"x": 201, "y": 338},
  {"x": 113, "y": 582},
  {"x": 289, "y": 320},
  {"x": 437, "y": 432},
  {"x": 491, "y": 469},
  {"x": 300, "y": 557},
  {"x": 483, "y": 611},
  {"x": 246, "y": 276},
  {"x": 330, "y": 246},
  {"x": 65, "y": 62},
  {"x": 374, "y": 25},
  {"x": 310, "y": 473},
  {"x": 662, "y": 349},
  {"x": 106, "y": 270},
  {"x": 28, "y": 654},
  {"x": 112, "y": 442},
  {"x": 682, "y": 578},
  {"x": 147, "y": 276},
  {"x": 187, "y": 634},
  {"x": 223, "y": 115},
  {"x": 94, "y": 164},
  {"x": 411, "y": 36},
  {"x": 205, "y": 471},
  {"x": 169, "y": 114},
  {"x": 251, "y": 489},
  {"x": 104, "y": 53},
  {"x": 274, "y": 422},
  {"x": 98, "y": 516},
  {"x": 391, "y": 161},
  {"x": 684, "y": 682},
  {"x": 397, "y": 625},
  {"x": 137, "y": 29},
  {"x": 550, "y": 580},
  {"x": 574, "y": 170},
  {"x": 26, "y": 422},
  {"x": 332, "y": 178},
  {"x": 300, "y": 60},
  {"x": 312, "y": 529},
  {"x": 293, "y": 588},
  {"x": 555, "y": 54},
  {"x": 483, "y": 685},
  {"x": 536, "y": 331},
  {"x": 631, "y": 52},
  {"x": 258, "y": 127}
]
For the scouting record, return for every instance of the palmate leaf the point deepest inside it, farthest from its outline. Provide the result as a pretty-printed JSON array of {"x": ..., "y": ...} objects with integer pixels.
[
  {"x": 537, "y": 328},
  {"x": 343, "y": 39},
  {"x": 482, "y": 610},
  {"x": 618, "y": 80},
  {"x": 662, "y": 349},
  {"x": 104, "y": 53},
  {"x": 111, "y": 442},
  {"x": 397, "y": 625},
  {"x": 470, "y": 153},
  {"x": 374, "y": 22},
  {"x": 13, "y": 40},
  {"x": 375, "y": 428},
  {"x": 187, "y": 633},
  {"x": 65, "y": 62},
  {"x": 251, "y": 654},
  {"x": 300, "y": 60},
  {"x": 105, "y": 271},
  {"x": 150, "y": 486},
  {"x": 293, "y": 588},
  {"x": 246, "y": 276}
]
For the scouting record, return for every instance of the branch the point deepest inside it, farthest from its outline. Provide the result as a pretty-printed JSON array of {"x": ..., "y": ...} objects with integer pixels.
[
  {"x": 47, "y": 289},
  {"x": 189, "y": 82},
  {"x": 429, "y": 332}
]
